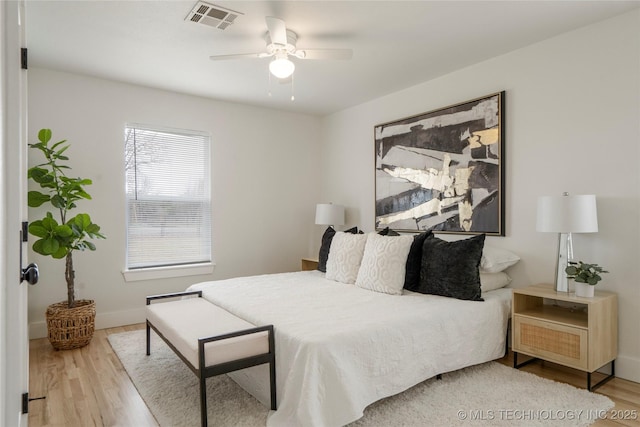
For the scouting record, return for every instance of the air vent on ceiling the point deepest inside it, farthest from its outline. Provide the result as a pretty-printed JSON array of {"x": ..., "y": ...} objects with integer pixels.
[{"x": 212, "y": 15}]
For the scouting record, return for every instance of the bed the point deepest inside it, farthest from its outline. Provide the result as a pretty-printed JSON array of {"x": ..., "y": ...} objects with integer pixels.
[{"x": 340, "y": 347}]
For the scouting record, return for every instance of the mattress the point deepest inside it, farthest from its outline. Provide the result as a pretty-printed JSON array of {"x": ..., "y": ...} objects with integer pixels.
[{"x": 340, "y": 348}]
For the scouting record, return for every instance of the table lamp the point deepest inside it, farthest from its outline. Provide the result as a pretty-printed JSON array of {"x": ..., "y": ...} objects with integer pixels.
[
  {"x": 566, "y": 215},
  {"x": 329, "y": 214}
]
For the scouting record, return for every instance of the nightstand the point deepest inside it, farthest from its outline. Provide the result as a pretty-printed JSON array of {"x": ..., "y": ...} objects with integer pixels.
[
  {"x": 580, "y": 333},
  {"x": 309, "y": 264}
]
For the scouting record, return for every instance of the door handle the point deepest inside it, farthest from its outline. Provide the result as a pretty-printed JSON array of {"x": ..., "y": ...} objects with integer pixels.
[{"x": 31, "y": 273}]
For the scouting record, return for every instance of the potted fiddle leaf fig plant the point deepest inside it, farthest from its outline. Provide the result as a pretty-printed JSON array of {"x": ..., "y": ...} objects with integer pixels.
[
  {"x": 586, "y": 277},
  {"x": 70, "y": 323}
]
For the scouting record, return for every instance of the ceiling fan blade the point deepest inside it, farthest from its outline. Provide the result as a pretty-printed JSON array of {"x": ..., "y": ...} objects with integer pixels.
[
  {"x": 324, "y": 53},
  {"x": 277, "y": 30},
  {"x": 236, "y": 56}
]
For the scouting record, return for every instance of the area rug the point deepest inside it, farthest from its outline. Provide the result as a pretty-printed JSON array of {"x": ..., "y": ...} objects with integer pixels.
[{"x": 484, "y": 395}]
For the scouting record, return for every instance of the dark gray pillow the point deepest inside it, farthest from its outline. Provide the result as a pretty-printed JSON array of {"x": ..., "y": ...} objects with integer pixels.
[
  {"x": 327, "y": 237},
  {"x": 414, "y": 262},
  {"x": 451, "y": 269}
]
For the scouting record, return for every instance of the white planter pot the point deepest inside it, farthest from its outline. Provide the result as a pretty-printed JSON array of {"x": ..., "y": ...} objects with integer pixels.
[{"x": 584, "y": 290}]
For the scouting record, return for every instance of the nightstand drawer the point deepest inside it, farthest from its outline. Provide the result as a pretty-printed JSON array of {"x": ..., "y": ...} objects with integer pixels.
[{"x": 566, "y": 345}]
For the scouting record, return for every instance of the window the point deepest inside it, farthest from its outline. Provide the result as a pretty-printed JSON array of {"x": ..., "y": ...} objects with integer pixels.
[{"x": 168, "y": 197}]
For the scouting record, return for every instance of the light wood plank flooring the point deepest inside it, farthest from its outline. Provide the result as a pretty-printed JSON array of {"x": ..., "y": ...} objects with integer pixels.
[
  {"x": 89, "y": 387},
  {"x": 83, "y": 387}
]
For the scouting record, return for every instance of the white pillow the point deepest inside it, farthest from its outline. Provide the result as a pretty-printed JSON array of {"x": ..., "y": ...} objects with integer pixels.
[
  {"x": 345, "y": 256},
  {"x": 495, "y": 259},
  {"x": 384, "y": 263},
  {"x": 491, "y": 281}
]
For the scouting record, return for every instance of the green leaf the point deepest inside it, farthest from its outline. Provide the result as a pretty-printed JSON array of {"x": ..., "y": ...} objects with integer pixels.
[
  {"x": 49, "y": 223},
  {"x": 82, "y": 221},
  {"x": 54, "y": 146},
  {"x": 50, "y": 246},
  {"x": 60, "y": 253},
  {"x": 93, "y": 229},
  {"x": 84, "y": 194},
  {"x": 36, "y": 198},
  {"x": 44, "y": 135},
  {"x": 36, "y": 172},
  {"x": 58, "y": 202},
  {"x": 37, "y": 247},
  {"x": 64, "y": 231},
  {"x": 90, "y": 245},
  {"x": 40, "y": 175},
  {"x": 38, "y": 230},
  {"x": 571, "y": 270}
]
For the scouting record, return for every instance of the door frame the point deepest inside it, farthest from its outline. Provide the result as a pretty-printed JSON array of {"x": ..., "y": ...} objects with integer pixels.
[{"x": 14, "y": 339}]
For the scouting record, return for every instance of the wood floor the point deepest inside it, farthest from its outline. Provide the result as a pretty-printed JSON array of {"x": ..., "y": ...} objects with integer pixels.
[
  {"x": 83, "y": 387},
  {"x": 89, "y": 387}
]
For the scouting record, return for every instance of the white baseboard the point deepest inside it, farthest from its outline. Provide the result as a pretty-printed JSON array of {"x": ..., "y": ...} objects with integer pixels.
[
  {"x": 628, "y": 368},
  {"x": 103, "y": 320}
]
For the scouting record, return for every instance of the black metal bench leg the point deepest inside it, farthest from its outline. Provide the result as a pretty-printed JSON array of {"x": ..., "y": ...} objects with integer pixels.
[
  {"x": 148, "y": 339},
  {"x": 203, "y": 400},
  {"x": 272, "y": 380},
  {"x": 272, "y": 369}
]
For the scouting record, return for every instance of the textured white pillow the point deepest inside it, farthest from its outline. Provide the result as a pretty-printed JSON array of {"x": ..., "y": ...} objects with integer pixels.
[
  {"x": 491, "y": 281},
  {"x": 495, "y": 259},
  {"x": 384, "y": 263},
  {"x": 345, "y": 256}
]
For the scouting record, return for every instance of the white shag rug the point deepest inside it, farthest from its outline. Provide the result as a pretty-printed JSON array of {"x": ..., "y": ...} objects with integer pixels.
[{"x": 484, "y": 395}]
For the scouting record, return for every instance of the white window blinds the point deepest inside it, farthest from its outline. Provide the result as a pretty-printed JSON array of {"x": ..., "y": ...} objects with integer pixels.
[{"x": 168, "y": 197}]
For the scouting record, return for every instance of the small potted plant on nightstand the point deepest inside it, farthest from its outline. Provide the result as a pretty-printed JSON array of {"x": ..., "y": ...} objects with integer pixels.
[
  {"x": 70, "y": 323},
  {"x": 586, "y": 277}
]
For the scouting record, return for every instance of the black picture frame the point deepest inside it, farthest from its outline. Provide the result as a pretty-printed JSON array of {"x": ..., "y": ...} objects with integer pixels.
[{"x": 443, "y": 170}]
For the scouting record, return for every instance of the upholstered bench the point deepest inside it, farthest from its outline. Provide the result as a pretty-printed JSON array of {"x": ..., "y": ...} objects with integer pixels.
[{"x": 210, "y": 340}]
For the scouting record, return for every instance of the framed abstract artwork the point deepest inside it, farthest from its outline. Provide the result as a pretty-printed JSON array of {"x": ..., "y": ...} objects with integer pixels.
[{"x": 443, "y": 170}]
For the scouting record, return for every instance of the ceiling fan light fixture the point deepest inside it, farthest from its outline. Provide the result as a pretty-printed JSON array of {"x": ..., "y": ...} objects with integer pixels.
[{"x": 281, "y": 67}]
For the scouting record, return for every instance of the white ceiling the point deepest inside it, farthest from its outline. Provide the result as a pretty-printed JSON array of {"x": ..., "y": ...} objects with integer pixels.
[{"x": 395, "y": 44}]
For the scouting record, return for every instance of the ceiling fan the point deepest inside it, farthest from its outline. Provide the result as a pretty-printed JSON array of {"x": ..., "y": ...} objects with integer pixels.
[{"x": 281, "y": 44}]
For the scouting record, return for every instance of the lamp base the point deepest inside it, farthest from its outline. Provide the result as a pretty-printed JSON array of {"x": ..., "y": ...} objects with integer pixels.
[{"x": 565, "y": 253}]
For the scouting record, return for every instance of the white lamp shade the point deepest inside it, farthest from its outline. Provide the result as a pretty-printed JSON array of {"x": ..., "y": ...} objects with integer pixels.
[
  {"x": 281, "y": 67},
  {"x": 329, "y": 214},
  {"x": 567, "y": 214}
]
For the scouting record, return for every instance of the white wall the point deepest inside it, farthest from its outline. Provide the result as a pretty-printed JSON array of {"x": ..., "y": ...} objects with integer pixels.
[
  {"x": 572, "y": 124},
  {"x": 264, "y": 181}
]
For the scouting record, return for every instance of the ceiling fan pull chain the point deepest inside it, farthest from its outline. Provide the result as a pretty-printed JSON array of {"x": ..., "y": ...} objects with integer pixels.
[
  {"x": 269, "y": 93},
  {"x": 293, "y": 98}
]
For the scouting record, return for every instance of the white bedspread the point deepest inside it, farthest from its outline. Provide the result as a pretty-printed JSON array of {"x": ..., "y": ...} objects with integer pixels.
[{"x": 340, "y": 348}]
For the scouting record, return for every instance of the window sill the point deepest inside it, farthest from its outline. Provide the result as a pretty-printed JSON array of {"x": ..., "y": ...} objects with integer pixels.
[{"x": 167, "y": 272}]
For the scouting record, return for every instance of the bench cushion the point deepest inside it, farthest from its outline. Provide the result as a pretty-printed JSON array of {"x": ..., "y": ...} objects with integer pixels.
[{"x": 182, "y": 322}]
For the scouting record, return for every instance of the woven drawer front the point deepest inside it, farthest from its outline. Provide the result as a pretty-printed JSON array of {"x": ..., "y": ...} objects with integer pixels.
[
  {"x": 558, "y": 342},
  {"x": 551, "y": 341}
]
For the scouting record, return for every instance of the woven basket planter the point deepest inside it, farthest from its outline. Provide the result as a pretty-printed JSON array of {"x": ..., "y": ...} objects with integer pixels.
[{"x": 71, "y": 327}]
